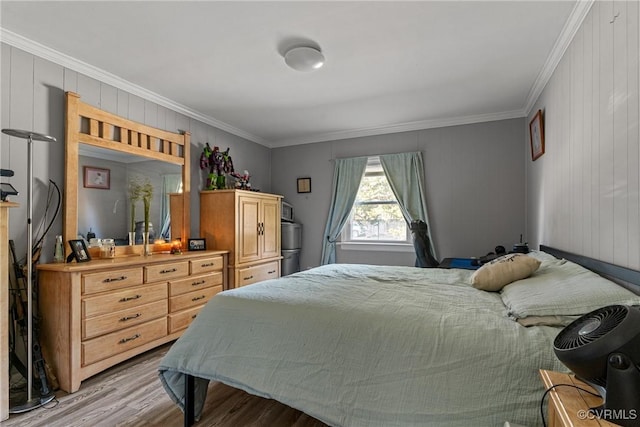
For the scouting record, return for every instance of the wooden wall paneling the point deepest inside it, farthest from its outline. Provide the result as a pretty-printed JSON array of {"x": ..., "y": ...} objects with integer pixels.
[
  {"x": 109, "y": 98},
  {"x": 48, "y": 118},
  {"x": 633, "y": 117},
  {"x": 5, "y": 87},
  {"x": 576, "y": 141},
  {"x": 89, "y": 89},
  {"x": 562, "y": 154},
  {"x": 150, "y": 114},
  {"x": 589, "y": 157},
  {"x": 20, "y": 117},
  {"x": 123, "y": 104},
  {"x": 620, "y": 135},
  {"x": 136, "y": 109},
  {"x": 595, "y": 131},
  {"x": 70, "y": 81},
  {"x": 607, "y": 192}
]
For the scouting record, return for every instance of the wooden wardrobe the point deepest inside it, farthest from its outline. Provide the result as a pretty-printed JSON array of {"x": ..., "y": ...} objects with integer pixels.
[{"x": 247, "y": 224}]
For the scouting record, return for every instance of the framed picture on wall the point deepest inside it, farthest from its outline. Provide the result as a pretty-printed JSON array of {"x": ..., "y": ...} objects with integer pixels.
[
  {"x": 97, "y": 178},
  {"x": 304, "y": 185},
  {"x": 536, "y": 131}
]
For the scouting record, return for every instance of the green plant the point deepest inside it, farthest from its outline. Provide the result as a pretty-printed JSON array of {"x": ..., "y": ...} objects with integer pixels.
[{"x": 140, "y": 188}]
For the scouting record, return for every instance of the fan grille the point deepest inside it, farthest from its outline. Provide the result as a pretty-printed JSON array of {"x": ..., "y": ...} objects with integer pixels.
[{"x": 591, "y": 327}]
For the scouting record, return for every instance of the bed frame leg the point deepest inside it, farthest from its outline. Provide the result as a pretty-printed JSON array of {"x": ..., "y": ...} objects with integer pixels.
[{"x": 189, "y": 404}]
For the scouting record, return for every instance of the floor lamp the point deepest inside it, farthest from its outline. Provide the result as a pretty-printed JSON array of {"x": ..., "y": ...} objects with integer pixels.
[{"x": 31, "y": 402}]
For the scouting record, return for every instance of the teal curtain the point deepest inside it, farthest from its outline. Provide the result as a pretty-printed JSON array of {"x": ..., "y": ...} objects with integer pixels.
[
  {"x": 346, "y": 181},
  {"x": 404, "y": 171},
  {"x": 170, "y": 184}
]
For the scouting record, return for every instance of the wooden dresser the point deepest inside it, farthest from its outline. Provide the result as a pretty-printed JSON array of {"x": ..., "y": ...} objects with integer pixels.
[
  {"x": 99, "y": 313},
  {"x": 247, "y": 224},
  {"x": 568, "y": 406},
  {"x": 4, "y": 308}
]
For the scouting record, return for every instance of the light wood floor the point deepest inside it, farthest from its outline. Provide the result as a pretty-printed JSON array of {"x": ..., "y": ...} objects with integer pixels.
[{"x": 130, "y": 394}]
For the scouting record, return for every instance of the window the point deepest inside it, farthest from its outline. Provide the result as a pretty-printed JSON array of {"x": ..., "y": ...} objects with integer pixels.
[{"x": 376, "y": 215}]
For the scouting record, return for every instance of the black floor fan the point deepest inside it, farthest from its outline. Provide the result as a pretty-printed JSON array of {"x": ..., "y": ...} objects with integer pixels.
[{"x": 603, "y": 349}]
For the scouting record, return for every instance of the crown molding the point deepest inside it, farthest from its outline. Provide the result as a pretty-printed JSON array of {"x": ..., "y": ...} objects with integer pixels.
[
  {"x": 397, "y": 128},
  {"x": 89, "y": 70},
  {"x": 571, "y": 27}
]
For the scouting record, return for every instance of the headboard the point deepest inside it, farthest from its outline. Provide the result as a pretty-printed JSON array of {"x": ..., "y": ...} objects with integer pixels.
[{"x": 624, "y": 276}]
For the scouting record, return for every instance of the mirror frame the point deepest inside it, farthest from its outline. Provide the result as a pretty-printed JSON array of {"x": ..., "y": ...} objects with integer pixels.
[{"x": 107, "y": 130}]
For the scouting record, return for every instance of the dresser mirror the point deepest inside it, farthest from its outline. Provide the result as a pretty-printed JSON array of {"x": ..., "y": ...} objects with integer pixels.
[
  {"x": 106, "y": 213},
  {"x": 103, "y": 154}
]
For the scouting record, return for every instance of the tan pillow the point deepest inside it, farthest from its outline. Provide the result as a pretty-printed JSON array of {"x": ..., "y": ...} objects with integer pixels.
[{"x": 504, "y": 270}]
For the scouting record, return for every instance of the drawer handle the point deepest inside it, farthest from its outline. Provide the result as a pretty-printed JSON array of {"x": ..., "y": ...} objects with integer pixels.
[
  {"x": 210, "y": 264},
  {"x": 135, "y": 316},
  {"x": 202, "y": 282},
  {"x": 125, "y": 340},
  {"x": 114, "y": 279},
  {"x": 198, "y": 298},
  {"x": 271, "y": 272},
  {"x": 125, "y": 299},
  {"x": 171, "y": 270},
  {"x": 248, "y": 278}
]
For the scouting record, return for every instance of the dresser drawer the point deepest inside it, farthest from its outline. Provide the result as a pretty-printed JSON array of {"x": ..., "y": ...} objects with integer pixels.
[
  {"x": 192, "y": 299},
  {"x": 101, "y": 325},
  {"x": 257, "y": 273},
  {"x": 155, "y": 273},
  {"x": 182, "y": 319},
  {"x": 206, "y": 265},
  {"x": 114, "y": 343},
  {"x": 120, "y": 300},
  {"x": 110, "y": 280},
  {"x": 192, "y": 283}
]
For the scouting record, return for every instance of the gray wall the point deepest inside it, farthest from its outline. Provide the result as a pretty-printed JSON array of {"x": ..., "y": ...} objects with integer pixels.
[
  {"x": 474, "y": 178},
  {"x": 583, "y": 193},
  {"x": 33, "y": 99}
]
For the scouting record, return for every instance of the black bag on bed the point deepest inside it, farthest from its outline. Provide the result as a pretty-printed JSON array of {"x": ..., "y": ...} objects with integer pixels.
[{"x": 422, "y": 245}]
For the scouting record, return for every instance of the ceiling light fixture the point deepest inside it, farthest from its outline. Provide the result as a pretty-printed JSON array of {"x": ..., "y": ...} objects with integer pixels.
[{"x": 304, "y": 58}]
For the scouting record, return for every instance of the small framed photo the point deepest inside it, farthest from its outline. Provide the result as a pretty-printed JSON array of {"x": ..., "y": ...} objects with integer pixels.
[
  {"x": 536, "y": 131},
  {"x": 197, "y": 244},
  {"x": 304, "y": 185},
  {"x": 79, "y": 251},
  {"x": 97, "y": 178}
]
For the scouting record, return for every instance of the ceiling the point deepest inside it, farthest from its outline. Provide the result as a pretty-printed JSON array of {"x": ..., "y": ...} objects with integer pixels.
[{"x": 390, "y": 66}]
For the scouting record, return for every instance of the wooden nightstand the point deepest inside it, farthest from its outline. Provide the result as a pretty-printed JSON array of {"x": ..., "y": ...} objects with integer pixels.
[{"x": 569, "y": 406}]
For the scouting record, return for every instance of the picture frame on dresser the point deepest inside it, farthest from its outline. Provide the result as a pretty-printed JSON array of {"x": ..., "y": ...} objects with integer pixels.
[
  {"x": 79, "y": 251},
  {"x": 198, "y": 244}
]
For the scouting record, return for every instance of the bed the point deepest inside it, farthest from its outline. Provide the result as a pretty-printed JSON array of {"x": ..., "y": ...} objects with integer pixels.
[{"x": 363, "y": 345}]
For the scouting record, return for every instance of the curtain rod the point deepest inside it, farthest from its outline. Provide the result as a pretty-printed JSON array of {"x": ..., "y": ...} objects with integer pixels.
[{"x": 372, "y": 155}]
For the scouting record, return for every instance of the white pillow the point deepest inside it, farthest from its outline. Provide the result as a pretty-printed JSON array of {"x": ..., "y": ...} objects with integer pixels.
[
  {"x": 494, "y": 275},
  {"x": 566, "y": 289}
]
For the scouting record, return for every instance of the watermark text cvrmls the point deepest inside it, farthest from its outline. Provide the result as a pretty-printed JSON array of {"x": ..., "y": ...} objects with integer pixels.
[{"x": 608, "y": 414}]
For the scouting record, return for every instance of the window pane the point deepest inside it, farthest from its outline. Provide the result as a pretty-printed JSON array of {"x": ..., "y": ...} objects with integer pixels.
[
  {"x": 376, "y": 214},
  {"x": 378, "y": 222},
  {"x": 375, "y": 188}
]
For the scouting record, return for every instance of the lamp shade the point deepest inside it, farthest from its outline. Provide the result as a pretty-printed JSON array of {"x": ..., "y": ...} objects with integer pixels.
[{"x": 304, "y": 58}]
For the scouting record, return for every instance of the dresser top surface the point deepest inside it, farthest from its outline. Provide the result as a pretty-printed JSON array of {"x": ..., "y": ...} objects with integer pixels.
[{"x": 128, "y": 261}]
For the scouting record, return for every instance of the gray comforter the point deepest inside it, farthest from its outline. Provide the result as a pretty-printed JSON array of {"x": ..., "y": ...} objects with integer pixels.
[{"x": 356, "y": 345}]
